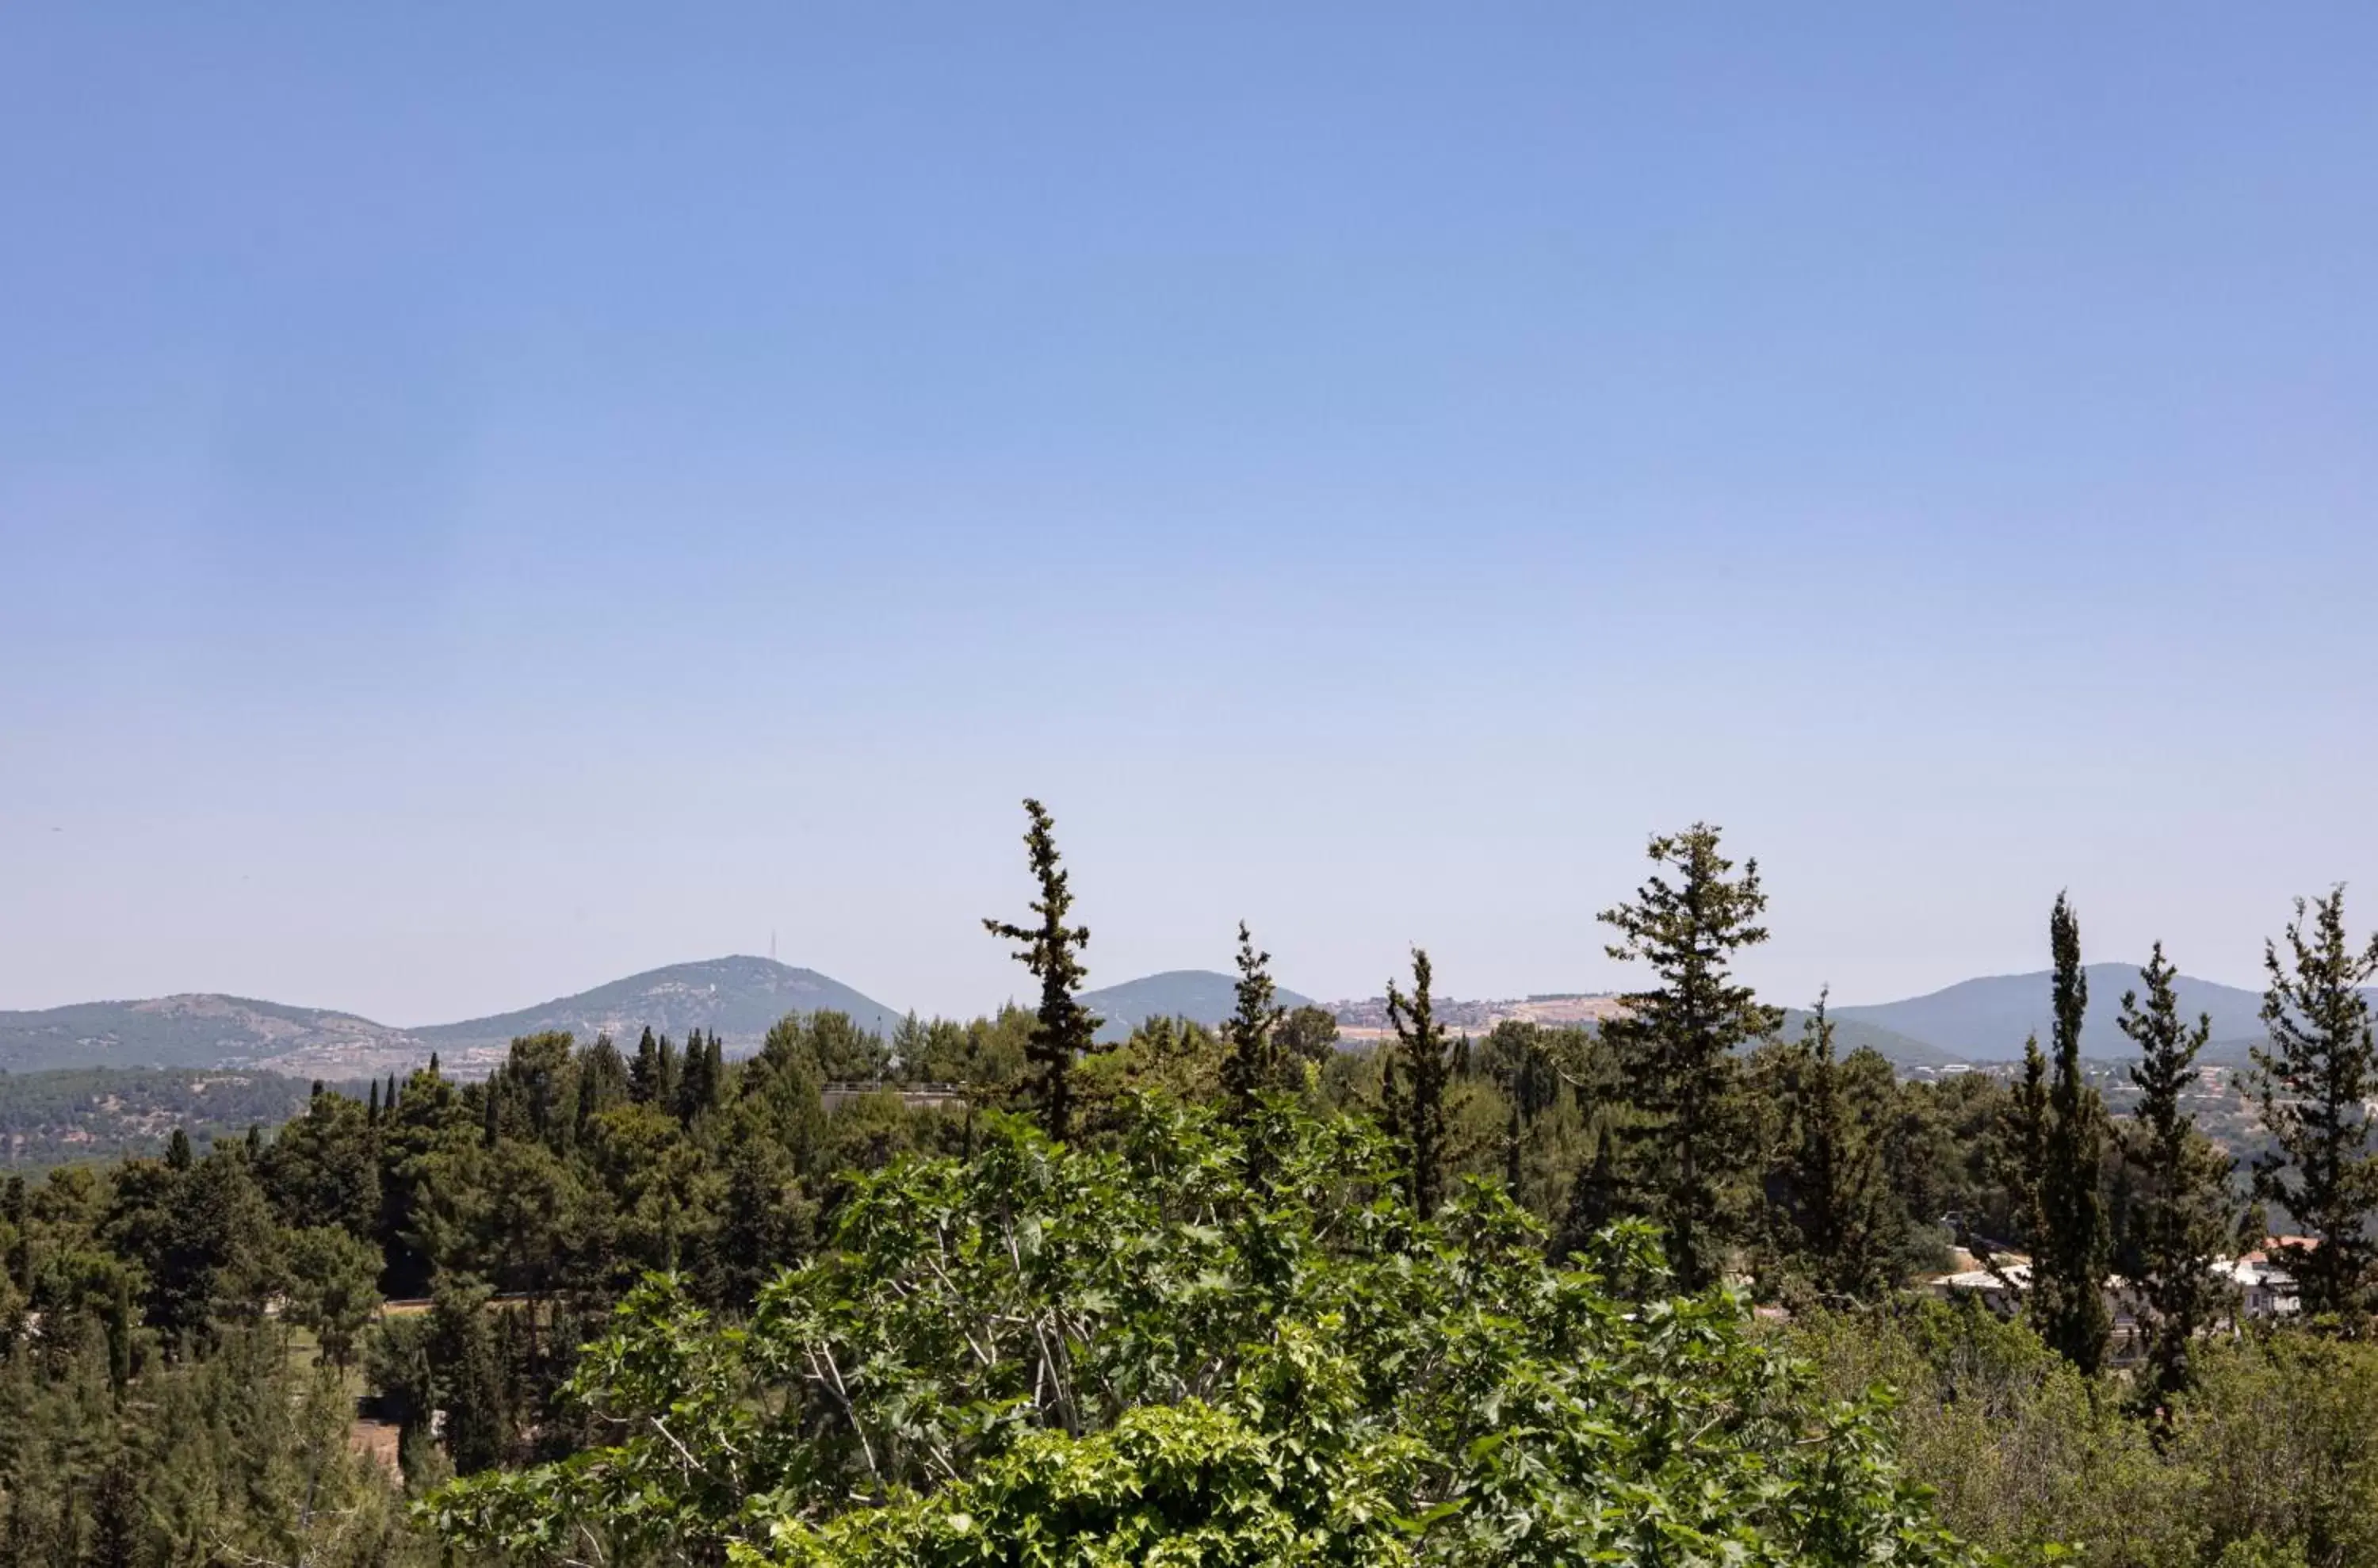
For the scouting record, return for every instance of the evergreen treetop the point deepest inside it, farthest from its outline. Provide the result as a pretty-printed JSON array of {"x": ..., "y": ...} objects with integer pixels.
[
  {"x": 1676, "y": 1039},
  {"x": 2069, "y": 1263},
  {"x": 1064, "y": 1030},
  {"x": 2313, "y": 1081}
]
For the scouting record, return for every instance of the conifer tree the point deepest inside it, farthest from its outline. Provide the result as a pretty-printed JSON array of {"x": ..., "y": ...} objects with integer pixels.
[
  {"x": 1676, "y": 1043},
  {"x": 2313, "y": 1081},
  {"x": 1517, "y": 1058},
  {"x": 2022, "y": 1151},
  {"x": 2179, "y": 1209},
  {"x": 1840, "y": 1200},
  {"x": 1062, "y": 1029},
  {"x": 908, "y": 1044},
  {"x": 644, "y": 1076},
  {"x": 698, "y": 1081},
  {"x": 1419, "y": 1072},
  {"x": 2069, "y": 1261},
  {"x": 671, "y": 1069},
  {"x": 1596, "y": 1197},
  {"x": 1252, "y": 1034},
  {"x": 115, "y": 1535},
  {"x": 469, "y": 1374}
]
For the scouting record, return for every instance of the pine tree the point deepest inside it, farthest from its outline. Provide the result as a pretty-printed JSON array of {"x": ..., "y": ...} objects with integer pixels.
[
  {"x": 1516, "y": 1058},
  {"x": 115, "y": 1517},
  {"x": 2022, "y": 1152},
  {"x": 1676, "y": 1043},
  {"x": 2180, "y": 1208},
  {"x": 672, "y": 1067},
  {"x": 471, "y": 1383},
  {"x": 1252, "y": 1034},
  {"x": 2069, "y": 1261},
  {"x": 1848, "y": 1223},
  {"x": 371, "y": 1108},
  {"x": 1596, "y": 1197},
  {"x": 909, "y": 1045},
  {"x": 698, "y": 1083},
  {"x": 645, "y": 1077},
  {"x": 602, "y": 1083},
  {"x": 177, "y": 1151},
  {"x": 1064, "y": 1030},
  {"x": 1418, "y": 1071},
  {"x": 2313, "y": 1081}
]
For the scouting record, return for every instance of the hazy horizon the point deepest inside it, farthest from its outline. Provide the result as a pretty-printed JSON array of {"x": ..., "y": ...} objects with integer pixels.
[
  {"x": 1016, "y": 997},
  {"x": 493, "y": 501}
]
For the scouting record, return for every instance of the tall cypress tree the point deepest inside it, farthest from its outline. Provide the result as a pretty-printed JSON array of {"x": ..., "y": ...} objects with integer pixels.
[
  {"x": 671, "y": 1068},
  {"x": 470, "y": 1378},
  {"x": 1254, "y": 1063},
  {"x": 2069, "y": 1261},
  {"x": 1418, "y": 1072},
  {"x": 2313, "y": 1081},
  {"x": 2022, "y": 1151},
  {"x": 1596, "y": 1197},
  {"x": 698, "y": 1083},
  {"x": 1062, "y": 1029},
  {"x": 644, "y": 1076},
  {"x": 602, "y": 1083},
  {"x": 2179, "y": 1210},
  {"x": 1675, "y": 1041},
  {"x": 1524, "y": 1070},
  {"x": 1849, "y": 1225},
  {"x": 115, "y": 1517}
]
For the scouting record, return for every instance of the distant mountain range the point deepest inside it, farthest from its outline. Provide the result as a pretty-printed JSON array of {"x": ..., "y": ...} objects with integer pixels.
[
  {"x": 1203, "y": 995},
  {"x": 738, "y": 997},
  {"x": 1988, "y": 1019},
  {"x": 1977, "y": 1020},
  {"x": 180, "y": 1031},
  {"x": 1858, "y": 1034}
]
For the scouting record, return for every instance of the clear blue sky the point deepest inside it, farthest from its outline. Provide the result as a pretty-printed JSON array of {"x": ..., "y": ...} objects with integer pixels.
[{"x": 492, "y": 497}]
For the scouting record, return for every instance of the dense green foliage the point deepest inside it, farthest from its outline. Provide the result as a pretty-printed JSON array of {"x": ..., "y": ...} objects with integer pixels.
[
  {"x": 52, "y": 1118},
  {"x": 1267, "y": 1300},
  {"x": 1126, "y": 1355}
]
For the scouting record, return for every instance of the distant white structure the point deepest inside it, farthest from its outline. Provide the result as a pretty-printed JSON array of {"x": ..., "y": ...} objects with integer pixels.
[
  {"x": 2266, "y": 1289},
  {"x": 2000, "y": 1289}
]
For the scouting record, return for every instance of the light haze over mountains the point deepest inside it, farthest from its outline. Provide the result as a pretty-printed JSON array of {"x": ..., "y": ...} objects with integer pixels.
[{"x": 738, "y": 997}]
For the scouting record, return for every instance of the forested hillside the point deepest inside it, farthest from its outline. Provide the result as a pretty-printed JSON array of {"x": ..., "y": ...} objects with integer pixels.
[
  {"x": 180, "y": 1031},
  {"x": 1988, "y": 1019},
  {"x": 50, "y": 1118},
  {"x": 736, "y": 998},
  {"x": 1230, "y": 1293},
  {"x": 1197, "y": 995}
]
